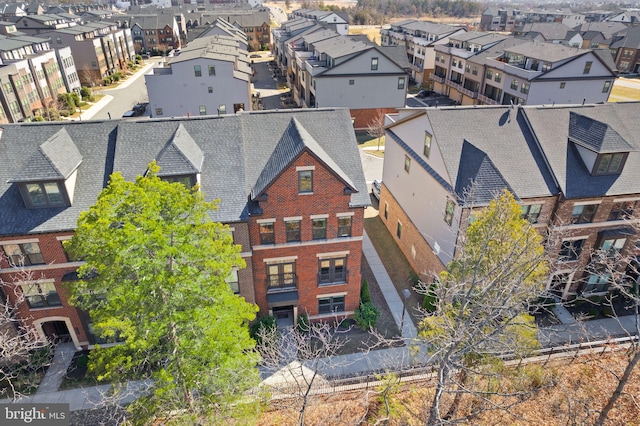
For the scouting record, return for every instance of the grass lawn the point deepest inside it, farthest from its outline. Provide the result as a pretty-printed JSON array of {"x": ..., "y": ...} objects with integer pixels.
[
  {"x": 395, "y": 263},
  {"x": 622, "y": 93}
]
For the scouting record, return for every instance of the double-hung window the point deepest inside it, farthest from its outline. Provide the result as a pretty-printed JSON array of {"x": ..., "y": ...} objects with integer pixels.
[
  {"x": 332, "y": 271},
  {"x": 583, "y": 213},
  {"x": 328, "y": 305},
  {"x": 293, "y": 230},
  {"x": 24, "y": 254},
  {"x": 319, "y": 229},
  {"x": 281, "y": 275},
  {"x": 344, "y": 226},
  {"x": 267, "y": 233},
  {"x": 41, "y": 294}
]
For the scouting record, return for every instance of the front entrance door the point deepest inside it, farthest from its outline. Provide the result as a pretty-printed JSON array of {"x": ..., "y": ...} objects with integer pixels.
[
  {"x": 283, "y": 316},
  {"x": 56, "y": 332}
]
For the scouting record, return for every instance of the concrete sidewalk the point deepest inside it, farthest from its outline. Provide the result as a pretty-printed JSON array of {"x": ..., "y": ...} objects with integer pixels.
[{"x": 55, "y": 373}]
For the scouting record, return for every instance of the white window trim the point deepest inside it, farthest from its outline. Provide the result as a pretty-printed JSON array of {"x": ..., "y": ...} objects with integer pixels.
[
  {"x": 582, "y": 237},
  {"x": 280, "y": 259},
  {"x": 305, "y": 168},
  {"x": 586, "y": 203},
  {"x": 266, "y": 220},
  {"x": 625, "y": 200},
  {"x": 319, "y": 216},
  {"x": 332, "y": 255},
  {"x": 64, "y": 238},
  {"x": 24, "y": 241},
  {"x": 345, "y": 214},
  {"x": 324, "y": 296},
  {"x": 44, "y": 280},
  {"x": 292, "y": 218}
]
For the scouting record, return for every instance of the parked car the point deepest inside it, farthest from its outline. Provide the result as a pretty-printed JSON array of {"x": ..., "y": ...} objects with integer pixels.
[
  {"x": 424, "y": 93},
  {"x": 375, "y": 188},
  {"x": 130, "y": 113},
  {"x": 139, "y": 109}
]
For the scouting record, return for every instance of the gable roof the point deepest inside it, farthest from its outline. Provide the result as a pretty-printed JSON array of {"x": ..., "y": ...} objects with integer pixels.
[
  {"x": 479, "y": 180},
  {"x": 551, "y": 126},
  {"x": 490, "y": 145},
  {"x": 631, "y": 39},
  {"x": 55, "y": 159},
  {"x": 595, "y": 135},
  {"x": 181, "y": 155},
  {"x": 235, "y": 150},
  {"x": 294, "y": 140}
]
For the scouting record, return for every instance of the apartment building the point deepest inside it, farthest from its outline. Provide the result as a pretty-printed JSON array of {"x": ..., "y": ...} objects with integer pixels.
[
  {"x": 419, "y": 38},
  {"x": 212, "y": 76},
  {"x": 573, "y": 169},
  {"x": 332, "y": 20},
  {"x": 475, "y": 70},
  {"x": 290, "y": 185}
]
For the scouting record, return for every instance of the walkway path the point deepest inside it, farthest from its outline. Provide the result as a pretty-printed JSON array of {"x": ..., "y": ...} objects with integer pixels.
[
  {"x": 58, "y": 368},
  {"x": 396, "y": 306}
]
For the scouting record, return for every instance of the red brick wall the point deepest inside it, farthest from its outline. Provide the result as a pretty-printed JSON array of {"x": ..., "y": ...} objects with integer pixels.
[
  {"x": 364, "y": 117},
  {"x": 53, "y": 254},
  {"x": 283, "y": 201}
]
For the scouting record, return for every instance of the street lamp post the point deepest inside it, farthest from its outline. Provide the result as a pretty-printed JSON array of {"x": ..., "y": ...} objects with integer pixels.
[{"x": 406, "y": 293}]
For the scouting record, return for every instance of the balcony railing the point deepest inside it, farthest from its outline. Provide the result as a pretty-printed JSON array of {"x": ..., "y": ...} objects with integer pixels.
[
  {"x": 436, "y": 78},
  {"x": 486, "y": 100},
  {"x": 469, "y": 93},
  {"x": 333, "y": 278},
  {"x": 454, "y": 85},
  {"x": 279, "y": 282}
]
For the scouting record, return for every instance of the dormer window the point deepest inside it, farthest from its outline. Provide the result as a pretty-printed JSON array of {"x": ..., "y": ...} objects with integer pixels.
[
  {"x": 609, "y": 164},
  {"x": 187, "y": 180},
  {"x": 602, "y": 149},
  {"x": 48, "y": 177},
  {"x": 43, "y": 194}
]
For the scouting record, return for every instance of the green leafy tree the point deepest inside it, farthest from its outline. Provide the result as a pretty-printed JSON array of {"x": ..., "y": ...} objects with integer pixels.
[
  {"x": 154, "y": 278},
  {"x": 481, "y": 303}
]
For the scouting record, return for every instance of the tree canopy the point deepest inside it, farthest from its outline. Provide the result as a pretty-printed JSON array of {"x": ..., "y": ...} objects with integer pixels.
[
  {"x": 155, "y": 278},
  {"x": 480, "y": 307}
]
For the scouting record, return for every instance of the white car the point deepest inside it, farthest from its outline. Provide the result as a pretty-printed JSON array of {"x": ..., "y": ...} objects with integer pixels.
[{"x": 375, "y": 188}]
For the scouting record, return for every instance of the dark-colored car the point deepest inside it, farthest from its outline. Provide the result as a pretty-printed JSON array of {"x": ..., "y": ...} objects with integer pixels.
[
  {"x": 424, "y": 93},
  {"x": 139, "y": 109},
  {"x": 375, "y": 188}
]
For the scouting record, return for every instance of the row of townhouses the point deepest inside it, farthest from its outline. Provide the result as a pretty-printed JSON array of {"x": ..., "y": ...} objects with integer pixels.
[
  {"x": 324, "y": 68},
  {"x": 574, "y": 169},
  {"x": 32, "y": 74},
  {"x": 488, "y": 69},
  {"x": 509, "y": 19},
  {"x": 290, "y": 185}
]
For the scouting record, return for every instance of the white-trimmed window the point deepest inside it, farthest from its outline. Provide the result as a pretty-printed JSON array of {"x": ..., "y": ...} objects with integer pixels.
[
  {"x": 344, "y": 226},
  {"x": 305, "y": 181},
  {"x": 232, "y": 280},
  {"x": 267, "y": 232},
  {"x": 44, "y": 194},
  {"x": 328, "y": 305},
  {"x": 41, "y": 294},
  {"x": 23, "y": 254}
]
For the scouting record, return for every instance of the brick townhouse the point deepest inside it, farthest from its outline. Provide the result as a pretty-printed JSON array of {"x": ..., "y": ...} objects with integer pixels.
[
  {"x": 290, "y": 185},
  {"x": 574, "y": 170}
]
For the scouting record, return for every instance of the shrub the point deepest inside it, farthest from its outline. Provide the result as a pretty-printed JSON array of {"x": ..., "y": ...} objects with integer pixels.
[
  {"x": 86, "y": 94},
  {"x": 267, "y": 323},
  {"x": 38, "y": 118},
  {"x": 365, "y": 295},
  {"x": 608, "y": 311},
  {"x": 366, "y": 316},
  {"x": 302, "y": 323},
  {"x": 594, "y": 312}
]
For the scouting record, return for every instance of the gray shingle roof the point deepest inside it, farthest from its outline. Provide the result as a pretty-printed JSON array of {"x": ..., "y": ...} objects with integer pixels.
[
  {"x": 235, "y": 149},
  {"x": 294, "y": 140},
  {"x": 479, "y": 181},
  {"x": 55, "y": 159},
  {"x": 631, "y": 39},
  {"x": 546, "y": 51},
  {"x": 493, "y": 146},
  {"x": 551, "y": 126},
  {"x": 595, "y": 135},
  {"x": 181, "y": 155}
]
